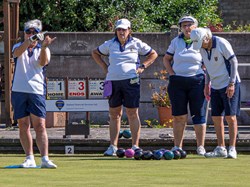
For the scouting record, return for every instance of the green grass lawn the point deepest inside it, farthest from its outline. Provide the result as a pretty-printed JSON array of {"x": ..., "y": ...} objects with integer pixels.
[{"x": 96, "y": 170}]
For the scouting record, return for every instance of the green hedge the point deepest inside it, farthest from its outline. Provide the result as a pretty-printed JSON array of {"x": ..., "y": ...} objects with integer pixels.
[{"x": 99, "y": 15}]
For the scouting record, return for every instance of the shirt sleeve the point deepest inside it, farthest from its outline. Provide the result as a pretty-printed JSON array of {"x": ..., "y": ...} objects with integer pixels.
[
  {"x": 16, "y": 46},
  {"x": 104, "y": 48},
  {"x": 171, "y": 47},
  {"x": 144, "y": 49},
  {"x": 226, "y": 49},
  {"x": 234, "y": 69}
]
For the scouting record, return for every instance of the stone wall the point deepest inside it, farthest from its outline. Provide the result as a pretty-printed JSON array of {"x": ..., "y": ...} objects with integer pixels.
[
  {"x": 235, "y": 11},
  {"x": 71, "y": 57}
]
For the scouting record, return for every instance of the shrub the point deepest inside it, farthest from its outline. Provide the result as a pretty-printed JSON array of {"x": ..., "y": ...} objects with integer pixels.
[{"x": 100, "y": 15}]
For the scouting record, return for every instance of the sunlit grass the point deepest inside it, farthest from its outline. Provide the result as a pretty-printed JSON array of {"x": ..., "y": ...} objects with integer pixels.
[{"x": 96, "y": 170}]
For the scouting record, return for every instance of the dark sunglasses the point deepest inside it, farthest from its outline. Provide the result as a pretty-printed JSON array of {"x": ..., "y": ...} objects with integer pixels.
[
  {"x": 31, "y": 32},
  {"x": 120, "y": 29}
]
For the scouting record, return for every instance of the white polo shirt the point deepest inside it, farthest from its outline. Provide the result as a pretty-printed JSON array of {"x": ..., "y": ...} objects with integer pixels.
[
  {"x": 29, "y": 75},
  {"x": 187, "y": 61},
  {"x": 123, "y": 62},
  {"x": 215, "y": 62}
]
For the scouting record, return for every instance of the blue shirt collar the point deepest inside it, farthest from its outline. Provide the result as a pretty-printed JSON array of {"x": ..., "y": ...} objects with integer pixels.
[
  {"x": 122, "y": 48},
  {"x": 130, "y": 38},
  {"x": 213, "y": 41},
  {"x": 181, "y": 35}
]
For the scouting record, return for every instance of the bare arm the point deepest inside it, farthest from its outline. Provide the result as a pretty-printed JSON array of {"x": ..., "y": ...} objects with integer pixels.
[
  {"x": 167, "y": 59},
  {"x": 20, "y": 50},
  {"x": 43, "y": 55},
  {"x": 150, "y": 58},
  {"x": 207, "y": 87},
  {"x": 98, "y": 59},
  {"x": 148, "y": 61}
]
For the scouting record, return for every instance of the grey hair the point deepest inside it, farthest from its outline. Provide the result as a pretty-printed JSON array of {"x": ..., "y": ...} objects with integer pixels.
[
  {"x": 36, "y": 24},
  {"x": 208, "y": 33}
]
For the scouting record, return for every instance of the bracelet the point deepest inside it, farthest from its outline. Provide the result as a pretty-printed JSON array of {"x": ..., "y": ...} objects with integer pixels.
[{"x": 231, "y": 84}]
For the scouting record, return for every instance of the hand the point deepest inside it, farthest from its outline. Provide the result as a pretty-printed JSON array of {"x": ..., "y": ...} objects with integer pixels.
[
  {"x": 230, "y": 90},
  {"x": 39, "y": 36},
  {"x": 207, "y": 92},
  {"x": 47, "y": 41},
  {"x": 139, "y": 70}
]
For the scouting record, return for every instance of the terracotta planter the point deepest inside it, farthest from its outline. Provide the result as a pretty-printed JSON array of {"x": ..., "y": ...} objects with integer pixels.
[{"x": 165, "y": 116}]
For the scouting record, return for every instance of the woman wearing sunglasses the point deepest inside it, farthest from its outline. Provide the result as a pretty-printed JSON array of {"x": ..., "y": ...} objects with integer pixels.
[
  {"x": 28, "y": 91},
  {"x": 186, "y": 84}
]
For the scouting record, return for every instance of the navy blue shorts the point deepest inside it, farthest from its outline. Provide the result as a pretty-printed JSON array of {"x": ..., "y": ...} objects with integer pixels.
[
  {"x": 184, "y": 91},
  {"x": 126, "y": 93},
  {"x": 26, "y": 103},
  {"x": 222, "y": 105}
]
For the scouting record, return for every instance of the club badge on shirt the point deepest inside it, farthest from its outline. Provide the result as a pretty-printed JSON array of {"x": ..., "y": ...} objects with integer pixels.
[{"x": 216, "y": 58}]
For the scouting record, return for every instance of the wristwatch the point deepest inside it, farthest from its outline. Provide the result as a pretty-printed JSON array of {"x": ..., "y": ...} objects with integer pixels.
[{"x": 142, "y": 66}]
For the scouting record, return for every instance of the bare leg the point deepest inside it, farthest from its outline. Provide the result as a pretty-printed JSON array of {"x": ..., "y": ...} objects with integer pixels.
[
  {"x": 219, "y": 128},
  {"x": 25, "y": 135},
  {"x": 179, "y": 125},
  {"x": 41, "y": 134},
  {"x": 200, "y": 131},
  {"x": 115, "y": 123},
  {"x": 233, "y": 129},
  {"x": 135, "y": 124}
]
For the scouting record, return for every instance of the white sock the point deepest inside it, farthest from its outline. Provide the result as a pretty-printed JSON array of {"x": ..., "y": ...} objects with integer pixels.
[
  {"x": 222, "y": 148},
  {"x": 45, "y": 158},
  {"x": 114, "y": 146},
  {"x": 231, "y": 147},
  {"x": 177, "y": 147},
  {"x": 30, "y": 157}
]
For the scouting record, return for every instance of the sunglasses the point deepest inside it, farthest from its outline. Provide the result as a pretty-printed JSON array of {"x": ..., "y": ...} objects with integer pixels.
[
  {"x": 31, "y": 32},
  {"x": 187, "y": 25},
  {"x": 120, "y": 29}
]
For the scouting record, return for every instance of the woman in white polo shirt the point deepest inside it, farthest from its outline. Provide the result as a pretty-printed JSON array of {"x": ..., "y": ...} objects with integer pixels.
[
  {"x": 28, "y": 91},
  {"x": 186, "y": 84},
  {"x": 221, "y": 64},
  {"x": 123, "y": 75}
]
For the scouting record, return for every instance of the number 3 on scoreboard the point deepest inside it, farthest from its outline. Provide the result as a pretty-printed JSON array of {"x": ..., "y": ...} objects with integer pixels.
[
  {"x": 102, "y": 85},
  {"x": 81, "y": 86}
]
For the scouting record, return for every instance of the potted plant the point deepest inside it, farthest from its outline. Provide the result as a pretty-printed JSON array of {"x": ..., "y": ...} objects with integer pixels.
[{"x": 160, "y": 99}]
